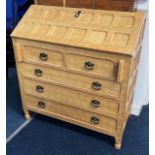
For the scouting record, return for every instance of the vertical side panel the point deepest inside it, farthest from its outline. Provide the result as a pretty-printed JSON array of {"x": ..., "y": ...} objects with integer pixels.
[{"x": 18, "y": 57}]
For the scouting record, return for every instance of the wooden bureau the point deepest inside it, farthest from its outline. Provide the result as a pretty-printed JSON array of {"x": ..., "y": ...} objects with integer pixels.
[{"x": 79, "y": 65}]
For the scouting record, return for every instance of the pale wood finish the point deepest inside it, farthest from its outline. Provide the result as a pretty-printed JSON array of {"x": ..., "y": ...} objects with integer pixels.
[
  {"x": 113, "y": 31},
  {"x": 75, "y": 80},
  {"x": 72, "y": 97},
  {"x": 106, "y": 123},
  {"x": 32, "y": 53},
  {"x": 101, "y": 67},
  {"x": 120, "y": 71},
  {"x": 52, "y": 48}
]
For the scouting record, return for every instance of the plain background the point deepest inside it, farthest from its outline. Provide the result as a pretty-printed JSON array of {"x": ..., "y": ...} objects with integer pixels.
[{"x": 141, "y": 96}]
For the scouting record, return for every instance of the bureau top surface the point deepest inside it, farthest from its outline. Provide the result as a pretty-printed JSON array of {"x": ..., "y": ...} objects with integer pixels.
[{"x": 109, "y": 31}]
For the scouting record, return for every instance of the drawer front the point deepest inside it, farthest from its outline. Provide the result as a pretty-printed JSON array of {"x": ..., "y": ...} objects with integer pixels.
[
  {"x": 103, "y": 122},
  {"x": 43, "y": 56},
  {"x": 91, "y": 65},
  {"x": 72, "y": 97},
  {"x": 77, "y": 80}
]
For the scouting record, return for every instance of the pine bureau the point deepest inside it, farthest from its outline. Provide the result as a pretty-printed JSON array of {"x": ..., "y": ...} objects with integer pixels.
[{"x": 79, "y": 65}]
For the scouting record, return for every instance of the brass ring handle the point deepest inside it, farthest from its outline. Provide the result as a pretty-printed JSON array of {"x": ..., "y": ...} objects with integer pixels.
[
  {"x": 89, "y": 65},
  {"x": 95, "y": 120},
  {"x": 41, "y": 104},
  {"x": 77, "y": 14},
  {"x": 96, "y": 85},
  {"x": 43, "y": 56},
  {"x": 38, "y": 72},
  {"x": 95, "y": 103},
  {"x": 40, "y": 89}
]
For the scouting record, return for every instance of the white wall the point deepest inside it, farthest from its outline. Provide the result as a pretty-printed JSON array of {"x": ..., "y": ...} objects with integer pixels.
[{"x": 141, "y": 96}]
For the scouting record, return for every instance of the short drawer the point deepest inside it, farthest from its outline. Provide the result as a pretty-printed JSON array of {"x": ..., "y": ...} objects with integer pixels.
[
  {"x": 96, "y": 66},
  {"x": 43, "y": 56},
  {"x": 85, "y": 82},
  {"x": 72, "y": 97},
  {"x": 98, "y": 121}
]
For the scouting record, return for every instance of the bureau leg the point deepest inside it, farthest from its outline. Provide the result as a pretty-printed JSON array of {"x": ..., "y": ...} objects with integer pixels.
[
  {"x": 27, "y": 115},
  {"x": 118, "y": 144},
  {"x": 119, "y": 135}
]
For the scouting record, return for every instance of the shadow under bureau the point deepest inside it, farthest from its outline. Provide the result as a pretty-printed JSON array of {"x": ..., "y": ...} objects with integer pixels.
[{"x": 79, "y": 65}]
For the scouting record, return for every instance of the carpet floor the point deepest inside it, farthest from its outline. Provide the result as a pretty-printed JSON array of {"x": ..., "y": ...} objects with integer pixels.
[
  {"x": 48, "y": 136},
  {"x": 14, "y": 113}
]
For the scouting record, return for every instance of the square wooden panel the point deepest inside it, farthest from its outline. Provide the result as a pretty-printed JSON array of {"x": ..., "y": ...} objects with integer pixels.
[
  {"x": 27, "y": 27},
  {"x": 86, "y": 17},
  {"x": 127, "y": 22},
  {"x": 36, "y": 13},
  {"x": 52, "y": 15},
  {"x": 78, "y": 34},
  {"x": 59, "y": 32},
  {"x": 42, "y": 29},
  {"x": 120, "y": 39},
  {"x": 105, "y": 20},
  {"x": 95, "y": 37}
]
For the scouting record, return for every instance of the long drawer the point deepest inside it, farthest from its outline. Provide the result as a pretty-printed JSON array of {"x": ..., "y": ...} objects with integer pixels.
[
  {"x": 71, "y": 97},
  {"x": 96, "y": 85},
  {"x": 93, "y": 119}
]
